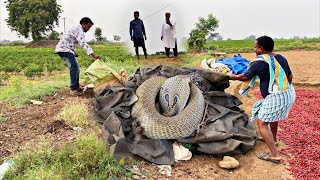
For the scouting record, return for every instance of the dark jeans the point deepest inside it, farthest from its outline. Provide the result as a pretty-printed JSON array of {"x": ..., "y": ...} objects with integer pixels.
[
  {"x": 74, "y": 68},
  {"x": 175, "y": 50}
]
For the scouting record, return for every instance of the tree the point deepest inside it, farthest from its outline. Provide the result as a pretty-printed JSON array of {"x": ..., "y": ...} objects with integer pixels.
[
  {"x": 116, "y": 38},
  {"x": 251, "y": 37},
  {"x": 98, "y": 34},
  {"x": 204, "y": 28},
  {"x": 35, "y": 17},
  {"x": 54, "y": 35},
  {"x": 219, "y": 38}
]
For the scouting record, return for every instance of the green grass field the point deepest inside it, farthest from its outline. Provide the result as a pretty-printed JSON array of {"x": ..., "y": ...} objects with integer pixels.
[
  {"x": 240, "y": 46},
  {"x": 32, "y": 73}
]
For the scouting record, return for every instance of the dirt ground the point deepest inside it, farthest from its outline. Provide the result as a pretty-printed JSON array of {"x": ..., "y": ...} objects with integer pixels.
[{"x": 26, "y": 124}]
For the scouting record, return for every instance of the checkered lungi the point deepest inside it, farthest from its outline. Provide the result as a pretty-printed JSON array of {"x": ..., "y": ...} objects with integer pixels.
[{"x": 275, "y": 106}]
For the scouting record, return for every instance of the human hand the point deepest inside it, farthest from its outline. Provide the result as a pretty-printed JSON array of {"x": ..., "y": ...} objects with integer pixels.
[
  {"x": 96, "y": 57},
  {"x": 145, "y": 37}
]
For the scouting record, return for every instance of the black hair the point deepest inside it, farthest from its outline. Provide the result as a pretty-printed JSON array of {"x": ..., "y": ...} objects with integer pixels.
[
  {"x": 86, "y": 20},
  {"x": 266, "y": 43},
  {"x": 136, "y": 12}
]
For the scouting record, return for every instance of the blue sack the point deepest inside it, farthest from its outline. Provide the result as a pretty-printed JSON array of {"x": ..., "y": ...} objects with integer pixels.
[{"x": 237, "y": 64}]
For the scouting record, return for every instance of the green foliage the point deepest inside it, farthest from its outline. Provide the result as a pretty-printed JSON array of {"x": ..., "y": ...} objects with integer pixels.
[
  {"x": 116, "y": 38},
  {"x": 203, "y": 28},
  {"x": 13, "y": 43},
  {"x": 241, "y": 46},
  {"x": 10, "y": 68},
  {"x": 33, "y": 16},
  {"x": 251, "y": 37},
  {"x": 75, "y": 113},
  {"x": 98, "y": 34},
  {"x": 3, "y": 77},
  {"x": 21, "y": 90},
  {"x": 33, "y": 70},
  {"x": 85, "y": 158},
  {"x": 54, "y": 35}
]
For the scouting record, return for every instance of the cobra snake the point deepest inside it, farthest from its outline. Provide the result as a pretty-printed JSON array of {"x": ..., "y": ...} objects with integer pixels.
[{"x": 182, "y": 103}]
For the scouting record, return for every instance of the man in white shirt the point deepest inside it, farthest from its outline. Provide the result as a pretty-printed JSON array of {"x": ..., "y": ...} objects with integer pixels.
[
  {"x": 168, "y": 35},
  {"x": 66, "y": 49}
]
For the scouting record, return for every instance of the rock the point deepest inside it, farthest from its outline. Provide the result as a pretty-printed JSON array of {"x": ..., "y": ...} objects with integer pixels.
[
  {"x": 135, "y": 177},
  {"x": 36, "y": 102},
  {"x": 78, "y": 129},
  {"x": 229, "y": 163}
]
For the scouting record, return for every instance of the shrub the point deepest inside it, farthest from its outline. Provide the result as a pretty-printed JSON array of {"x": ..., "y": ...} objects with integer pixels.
[{"x": 33, "y": 70}]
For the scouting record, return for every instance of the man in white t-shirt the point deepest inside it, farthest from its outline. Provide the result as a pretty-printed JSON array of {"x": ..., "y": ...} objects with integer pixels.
[
  {"x": 66, "y": 49},
  {"x": 168, "y": 35}
]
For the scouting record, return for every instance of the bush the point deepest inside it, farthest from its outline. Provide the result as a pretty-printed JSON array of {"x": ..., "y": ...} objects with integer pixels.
[
  {"x": 10, "y": 68},
  {"x": 33, "y": 70}
]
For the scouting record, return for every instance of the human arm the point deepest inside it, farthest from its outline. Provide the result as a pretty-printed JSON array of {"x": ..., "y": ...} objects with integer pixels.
[
  {"x": 240, "y": 77},
  {"x": 162, "y": 32},
  {"x": 96, "y": 57},
  {"x": 130, "y": 31},
  {"x": 290, "y": 78},
  {"x": 144, "y": 31},
  {"x": 169, "y": 23},
  {"x": 249, "y": 74},
  {"x": 82, "y": 41}
]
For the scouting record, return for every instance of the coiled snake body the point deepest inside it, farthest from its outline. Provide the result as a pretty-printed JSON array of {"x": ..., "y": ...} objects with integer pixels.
[{"x": 180, "y": 124}]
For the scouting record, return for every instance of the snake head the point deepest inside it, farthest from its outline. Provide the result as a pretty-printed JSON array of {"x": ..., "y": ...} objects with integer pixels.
[{"x": 174, "y": 95}]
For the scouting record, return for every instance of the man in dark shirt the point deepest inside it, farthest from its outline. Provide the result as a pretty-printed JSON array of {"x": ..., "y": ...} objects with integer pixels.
[
  {"x": 276, "y": 102},
  {"x": 138, "y": 34},
  {"x": 261, "y": 69}
]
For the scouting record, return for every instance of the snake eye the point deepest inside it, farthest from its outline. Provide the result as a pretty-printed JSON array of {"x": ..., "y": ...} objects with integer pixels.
[
  {"x": 175, "y": 99},
  {"x": 166, "y": 98}
]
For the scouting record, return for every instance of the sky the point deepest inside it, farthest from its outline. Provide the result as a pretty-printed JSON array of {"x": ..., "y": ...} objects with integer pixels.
[{"x": 238, "y": 19}]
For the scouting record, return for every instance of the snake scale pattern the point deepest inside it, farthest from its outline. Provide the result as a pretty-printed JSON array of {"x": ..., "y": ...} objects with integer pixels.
[{"x": 183, "y": 122}]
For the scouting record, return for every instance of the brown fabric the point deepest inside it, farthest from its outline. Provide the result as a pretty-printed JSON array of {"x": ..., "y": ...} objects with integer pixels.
[{"x": 225, "y": 130}]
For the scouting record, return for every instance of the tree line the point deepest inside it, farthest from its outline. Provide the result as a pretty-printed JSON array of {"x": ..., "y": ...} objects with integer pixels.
[{"x": 24, "y": 18}]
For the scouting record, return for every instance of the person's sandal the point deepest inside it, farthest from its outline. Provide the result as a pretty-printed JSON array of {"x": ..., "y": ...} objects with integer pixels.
[{"x": 266, "y": 157}]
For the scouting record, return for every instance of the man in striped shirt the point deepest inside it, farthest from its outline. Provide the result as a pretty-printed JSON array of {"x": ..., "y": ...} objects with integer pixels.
[
  {"x": 276, "y": 89},
  {"x": 66, "y": 49}
]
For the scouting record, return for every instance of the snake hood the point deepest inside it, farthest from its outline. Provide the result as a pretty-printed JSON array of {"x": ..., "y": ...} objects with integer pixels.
[{"x": 174, "y": 94}]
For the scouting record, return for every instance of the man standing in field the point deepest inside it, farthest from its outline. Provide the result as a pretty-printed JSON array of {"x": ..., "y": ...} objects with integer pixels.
[
  {"x": 168, "y": 35},
  {"x": 276, "y": 89},
  {"x": 66, "y": 49},
  {"x": 138, "y": 34}
]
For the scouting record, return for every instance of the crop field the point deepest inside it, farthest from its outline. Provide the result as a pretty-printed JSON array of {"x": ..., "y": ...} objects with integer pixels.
[
  {"x": 39, "y": 74},
  {"x": 237, "y": 46}
]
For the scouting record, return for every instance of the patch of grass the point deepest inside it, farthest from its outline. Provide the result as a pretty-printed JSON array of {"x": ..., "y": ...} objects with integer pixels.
[
  {"x": 85, "y": 158},
  {"x": 21, "y": 90},
  {"x": 75, "y": 113},
  {"x": 33, "y": 70},
  {"x": 242, "y": 46},
  {"x": 2, "y": 118},
  {"x": 10, "y": 68}
]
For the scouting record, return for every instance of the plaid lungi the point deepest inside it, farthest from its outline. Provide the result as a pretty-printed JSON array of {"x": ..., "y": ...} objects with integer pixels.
[{"x": 275, "y": 106}]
